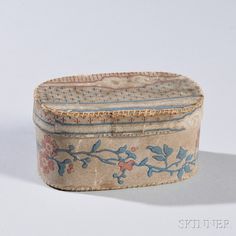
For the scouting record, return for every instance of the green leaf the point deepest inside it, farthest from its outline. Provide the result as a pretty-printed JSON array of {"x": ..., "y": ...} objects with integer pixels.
[
  {"x": 62, "y": 166},
  {"x": 120, "y": 181},
  {"x": 84, "y": 165},
  {"x": 187, "y": 168},
  {"x": 115, "y": 175},
  {"x": 149, "y": 173},
  {"x": 87, "y": 159},
  {"x": 189, "y": 157},
  {"x": 181, "y": 154},
  {"x": 96, "y": 146},
  {"x": 159, "y": 158},
  {"x": 122, "y": 149},
  {"x": 155, "y": 149},
  {"x": 180, "y": 173},
  {"x": 130, "y": 154},
  {"x": 167, "y": 150}
]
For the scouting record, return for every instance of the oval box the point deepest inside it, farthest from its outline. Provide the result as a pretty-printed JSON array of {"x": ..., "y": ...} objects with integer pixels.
[{"x": 117, "y": 130}]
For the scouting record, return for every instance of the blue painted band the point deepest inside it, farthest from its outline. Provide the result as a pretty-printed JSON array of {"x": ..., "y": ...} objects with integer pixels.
[
  {"x": 156, "y": 108},
  {"x": 109, "y": 132}
]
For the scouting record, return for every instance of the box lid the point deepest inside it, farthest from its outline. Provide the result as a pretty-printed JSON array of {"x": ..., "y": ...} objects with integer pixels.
[{"x": 107, "y": 100}]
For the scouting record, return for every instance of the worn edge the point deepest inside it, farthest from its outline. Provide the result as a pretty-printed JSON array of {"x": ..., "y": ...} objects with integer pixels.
[
  {"x": 88, "y": 189},
  {"x": 121, "y": 113}
]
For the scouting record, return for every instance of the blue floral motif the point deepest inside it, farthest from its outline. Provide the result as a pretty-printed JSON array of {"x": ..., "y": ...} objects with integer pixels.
[{"x": 122, "y": 157}]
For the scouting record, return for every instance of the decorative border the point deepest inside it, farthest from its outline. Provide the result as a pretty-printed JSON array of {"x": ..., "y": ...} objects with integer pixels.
[
  {"x": 123, "y": 158},
  {"x": 68, "y": 121},
  {"x": 133, "y": 133},
  {"x": 112, "y": 109}
]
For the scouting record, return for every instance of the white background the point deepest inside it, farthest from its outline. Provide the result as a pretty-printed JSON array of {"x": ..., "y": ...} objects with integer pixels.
[{"x": 40, "y": 40}]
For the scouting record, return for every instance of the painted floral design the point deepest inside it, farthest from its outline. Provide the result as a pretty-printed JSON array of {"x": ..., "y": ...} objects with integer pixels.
[
  {"x": 126, "y": 165},
  {"x": 48, "y": 149},
  {"x": 133, "y": 148},
  {"x": 70, "y": 168},
  {"x": 124, "y": 158},
  {"x": 45, "y": 164},
  {"x": 49, "y": 145}
]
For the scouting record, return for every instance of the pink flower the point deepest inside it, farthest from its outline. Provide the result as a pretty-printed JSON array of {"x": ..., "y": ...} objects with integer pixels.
[
  {"x": 49, "y": 145},
  {"x": 70, "y": 168},
  {"x": 126, "y": 165},
  {"x": 133, "y": 148},
  {"x": 45, "y": 164},
  {"x": 43, "y": 159}
]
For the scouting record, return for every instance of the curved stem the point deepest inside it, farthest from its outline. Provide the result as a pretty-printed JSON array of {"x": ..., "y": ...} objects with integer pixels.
[
  {"x": 76, "y": 154},
  {"x": 117, "y": 158}
]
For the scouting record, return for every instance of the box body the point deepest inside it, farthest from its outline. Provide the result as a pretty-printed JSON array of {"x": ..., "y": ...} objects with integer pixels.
[{"x": 120, "y": 130}]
